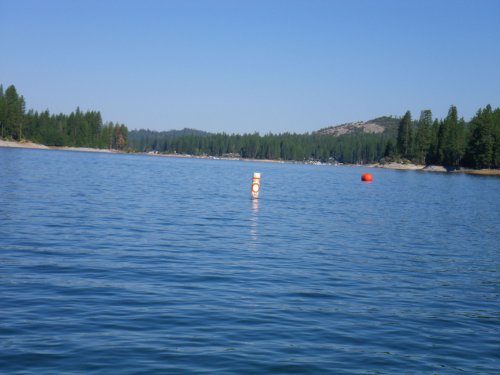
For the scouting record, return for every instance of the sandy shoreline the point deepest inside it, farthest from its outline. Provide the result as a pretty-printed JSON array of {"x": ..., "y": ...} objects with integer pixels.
[
  {"x": 15, "y": 144},
  {"x": 37, "y": 146},
  {"x": 398, "y": 166}
]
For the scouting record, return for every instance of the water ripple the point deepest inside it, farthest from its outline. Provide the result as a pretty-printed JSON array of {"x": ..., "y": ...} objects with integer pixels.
[{"x": 127, "y": 264}]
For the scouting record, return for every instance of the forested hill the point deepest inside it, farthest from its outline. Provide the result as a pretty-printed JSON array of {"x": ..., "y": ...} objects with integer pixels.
[{"x": 357, "y": 142}]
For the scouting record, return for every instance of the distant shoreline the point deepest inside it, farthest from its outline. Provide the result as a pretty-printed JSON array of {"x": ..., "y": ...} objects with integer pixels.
[
  {"x": 396, "y": 166},
  {"x": 436, "y": 168}
]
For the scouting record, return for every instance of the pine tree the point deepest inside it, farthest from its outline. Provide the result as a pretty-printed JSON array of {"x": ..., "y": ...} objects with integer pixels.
[
  {"x": 423, "y": 136},
  {"x": 451, "y": 139},
  {"x": 481, "y": 141},
  {"x": 405, "y": 136},
  {"x": 3, "y": 111},
  {"x": 496, "y": 138},
  {"x": 14, "y": 114}
]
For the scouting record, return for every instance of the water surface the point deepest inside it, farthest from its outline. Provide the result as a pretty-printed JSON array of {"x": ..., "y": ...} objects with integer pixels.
[{"x": 133, "y": 264}]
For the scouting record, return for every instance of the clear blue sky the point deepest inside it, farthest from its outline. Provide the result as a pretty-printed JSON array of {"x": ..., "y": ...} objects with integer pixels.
[{"x": 251, "y": 65}]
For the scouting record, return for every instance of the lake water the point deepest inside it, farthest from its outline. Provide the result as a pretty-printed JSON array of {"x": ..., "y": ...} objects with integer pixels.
[{"x": 131, "y": 264}]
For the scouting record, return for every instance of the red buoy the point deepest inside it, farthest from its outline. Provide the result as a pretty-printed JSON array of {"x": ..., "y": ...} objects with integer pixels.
[{"x": 367, "y": 177}]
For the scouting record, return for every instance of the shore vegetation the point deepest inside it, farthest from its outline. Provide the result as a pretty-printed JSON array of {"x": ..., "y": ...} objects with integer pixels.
[
  {"x": 78, "y": 129},
  {"x": 451, "y": 142}
]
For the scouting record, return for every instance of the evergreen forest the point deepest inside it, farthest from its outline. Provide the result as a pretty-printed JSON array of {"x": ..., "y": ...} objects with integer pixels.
[
  {"x": 451, "y": 142},
  {"x": 78, "y": 129}
]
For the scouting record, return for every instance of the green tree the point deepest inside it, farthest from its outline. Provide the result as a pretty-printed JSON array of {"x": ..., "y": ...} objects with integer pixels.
[
  {"x": 405, "y": 136},
  {"x": 423, "y": 136},
  {"x": 481, "y": 142},
  {"x": 451, "y": 139},
  {"x": 390, "y": 149},
  {"x": 432, "y": 155},
  {"x": 3, "y": 111},
  {"x": 14, "y": 108},
  {"x": 496, "y": 138}
]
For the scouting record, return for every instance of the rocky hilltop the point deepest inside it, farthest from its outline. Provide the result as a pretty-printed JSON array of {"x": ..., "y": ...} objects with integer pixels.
[{"x": 378, "y": 125}]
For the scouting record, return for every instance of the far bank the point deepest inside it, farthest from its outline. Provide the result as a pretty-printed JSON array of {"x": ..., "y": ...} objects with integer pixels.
[
  {"x": 436, "y": 168},
  {"x": 393, "y": 165}
]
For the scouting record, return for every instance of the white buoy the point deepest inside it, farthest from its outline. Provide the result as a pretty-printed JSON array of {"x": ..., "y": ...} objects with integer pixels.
[{"x": 255, "y": 185}]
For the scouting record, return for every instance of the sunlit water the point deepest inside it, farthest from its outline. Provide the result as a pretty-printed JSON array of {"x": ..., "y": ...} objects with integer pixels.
[{"x": 135, "y": 264}]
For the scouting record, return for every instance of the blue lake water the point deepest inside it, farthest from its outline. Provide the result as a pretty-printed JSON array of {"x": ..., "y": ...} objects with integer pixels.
[{"x": 133, "y": 264}]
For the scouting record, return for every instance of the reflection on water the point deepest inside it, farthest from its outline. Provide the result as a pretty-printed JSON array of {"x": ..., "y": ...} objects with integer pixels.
[{"x": 254, "y": 221}]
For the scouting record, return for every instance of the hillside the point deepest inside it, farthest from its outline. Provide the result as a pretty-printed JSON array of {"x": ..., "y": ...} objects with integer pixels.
[{"x": 385, "y": 124}]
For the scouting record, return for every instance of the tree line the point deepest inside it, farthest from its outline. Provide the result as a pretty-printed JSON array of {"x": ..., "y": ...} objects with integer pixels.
[
  {"x": 451, "y": 141},
  {"x": 78, "y": 129},
  {"x": 352, "y": 148}
]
